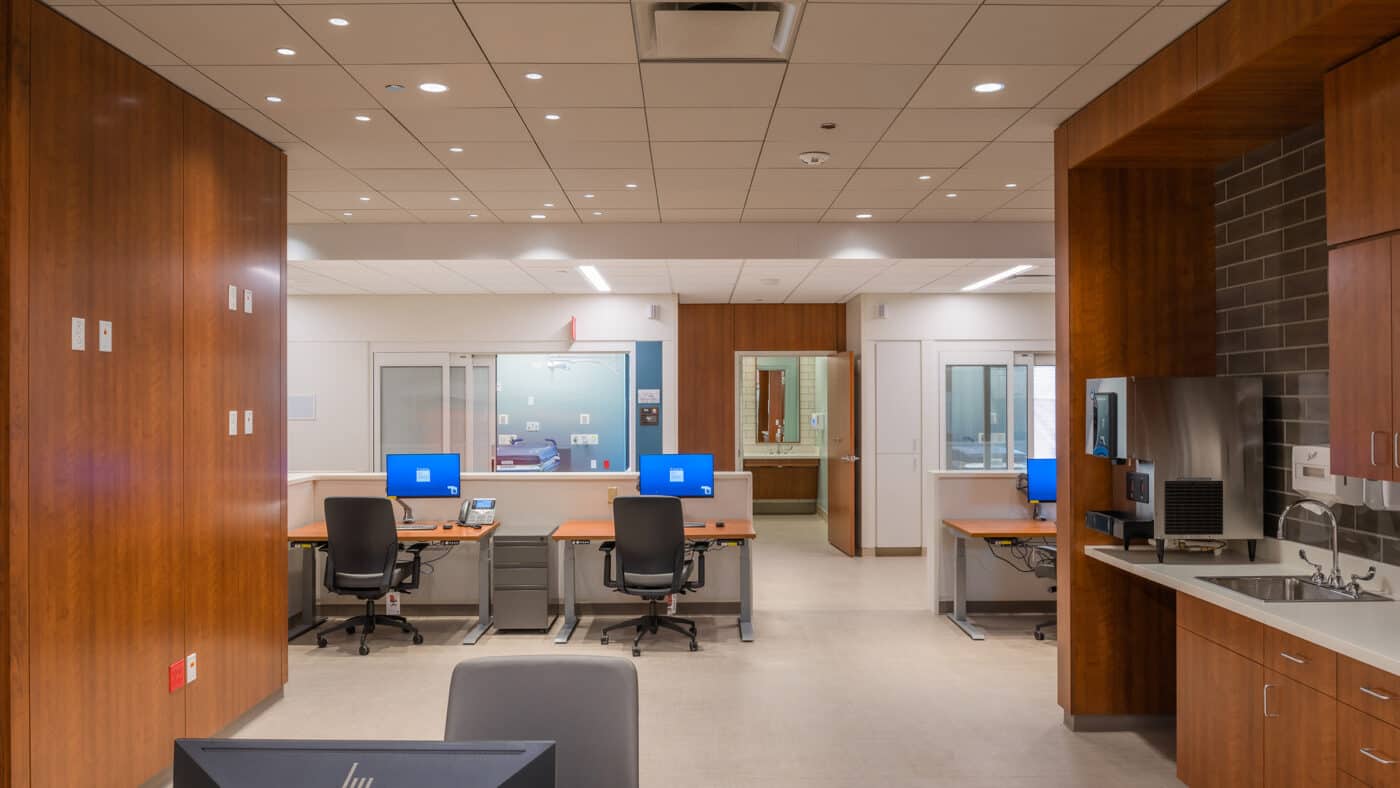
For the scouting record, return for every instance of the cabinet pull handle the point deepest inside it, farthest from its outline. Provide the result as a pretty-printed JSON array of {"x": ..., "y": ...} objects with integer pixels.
[
  {"x": 1293, "y": 658},
  {"x": 1267, "y": 687},
  {"x": 1377, "y": 694},
  {"x": 1372, "y": 441},
  {"x": 1377, "y": 757},
  {"x": 1395, "y": 449}
]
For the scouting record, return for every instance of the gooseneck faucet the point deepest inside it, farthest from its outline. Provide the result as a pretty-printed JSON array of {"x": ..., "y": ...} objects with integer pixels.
[{"x": 1315, "y": 506}]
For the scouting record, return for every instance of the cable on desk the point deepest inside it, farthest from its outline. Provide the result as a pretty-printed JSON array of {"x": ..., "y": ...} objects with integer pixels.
[
  {"x": 427, "y": 566},
  {"x": 1024, "y": 556}
]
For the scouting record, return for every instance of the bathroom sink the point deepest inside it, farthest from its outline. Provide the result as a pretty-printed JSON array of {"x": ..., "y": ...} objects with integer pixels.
[{"x": 1282, "y": 588}]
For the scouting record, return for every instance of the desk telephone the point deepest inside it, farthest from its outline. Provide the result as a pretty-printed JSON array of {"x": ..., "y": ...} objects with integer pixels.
[{"x": 477, "y": 512}]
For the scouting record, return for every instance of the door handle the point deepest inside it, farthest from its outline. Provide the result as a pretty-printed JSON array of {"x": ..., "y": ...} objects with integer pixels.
[
  {"x": 1377, "y": 757},
  {"x": 1267, "y": 687}
]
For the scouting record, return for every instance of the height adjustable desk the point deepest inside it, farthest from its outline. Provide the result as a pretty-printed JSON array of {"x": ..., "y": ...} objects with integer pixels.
[
  {"x": 965, "y": 529},
  {"x": 581, "y": 532},
  {"x": 312, "y": 537}
]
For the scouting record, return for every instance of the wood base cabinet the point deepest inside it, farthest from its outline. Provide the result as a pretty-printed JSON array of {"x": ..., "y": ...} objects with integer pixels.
[{"x": 1219, "y": 715}]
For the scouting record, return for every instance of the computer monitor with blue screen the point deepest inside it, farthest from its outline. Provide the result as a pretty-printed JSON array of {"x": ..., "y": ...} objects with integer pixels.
[
  {"x": 681, "y": 475},
  {"x": 422, "y": 476},
  {"x": 1040, "y": 480}
]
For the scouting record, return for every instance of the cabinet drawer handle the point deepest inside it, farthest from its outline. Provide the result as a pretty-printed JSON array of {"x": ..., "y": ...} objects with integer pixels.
[
  {"x": 1267, "y": 687},
  {"x": 1395, "y": 449},
  {"x": 1377, "y": 694},
  {"x": 1377, "y": 757},
  {"x": 1293, "y": 658},
  {"x": 1372, "y": 441}
]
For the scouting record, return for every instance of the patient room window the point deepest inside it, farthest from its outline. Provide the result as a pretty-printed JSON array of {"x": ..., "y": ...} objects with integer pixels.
[
  {"x": 998, "y": 415},
  {"x": 562, "y": 412}
]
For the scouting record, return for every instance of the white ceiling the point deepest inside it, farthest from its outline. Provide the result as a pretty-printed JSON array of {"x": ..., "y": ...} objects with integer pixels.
[
  {"x": 695, "y": 281},
  {"x": 701, "y": 142}
]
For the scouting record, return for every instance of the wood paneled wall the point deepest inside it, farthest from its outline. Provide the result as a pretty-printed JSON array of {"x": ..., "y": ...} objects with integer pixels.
[
  {"x": 137, "y": 530},
  {"x": 708, "y": 337}
]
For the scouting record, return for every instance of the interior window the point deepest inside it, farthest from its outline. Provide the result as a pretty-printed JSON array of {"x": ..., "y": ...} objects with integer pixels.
[
  {"x": 561, "y": 412},
  {"x": 998, "y": 415}
]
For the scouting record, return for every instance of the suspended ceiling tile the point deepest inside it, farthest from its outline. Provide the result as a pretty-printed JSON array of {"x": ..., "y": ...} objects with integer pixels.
[{"x": 381, "y": 33}]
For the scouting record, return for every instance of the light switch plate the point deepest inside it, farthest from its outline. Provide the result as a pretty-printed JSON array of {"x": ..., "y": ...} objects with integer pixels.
[
  {"x": 248, "y": 301},
  {"x": 191, "y": 669},
  {"x": 530, "y": 400},
  {"x": 503, "y": 419},
  {"x": 233, "y": 422},
  {"x": 532, "y": 426},
  {"x": 505, "y": 439},
  {"x": 247, "y": 422},
  {"x": 584, "y": 419},
  {"x": 104, "y": 336},
  {"x": 233, "y": 298},
  {"x": 593, "y": 465},
  {"x": 79, "y": 340}
]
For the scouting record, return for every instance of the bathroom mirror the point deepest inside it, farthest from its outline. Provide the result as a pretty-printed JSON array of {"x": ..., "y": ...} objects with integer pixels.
[{"x": 776, "y": 399}]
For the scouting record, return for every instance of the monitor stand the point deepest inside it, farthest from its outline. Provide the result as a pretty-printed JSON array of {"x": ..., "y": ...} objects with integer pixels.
[
  {"x": 407, "y": 510},
  {"x": 1036, "y": 514}
]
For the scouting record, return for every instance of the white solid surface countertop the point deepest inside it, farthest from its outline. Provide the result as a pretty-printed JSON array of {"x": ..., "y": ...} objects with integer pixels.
[{"x": 1368, "y": 632}]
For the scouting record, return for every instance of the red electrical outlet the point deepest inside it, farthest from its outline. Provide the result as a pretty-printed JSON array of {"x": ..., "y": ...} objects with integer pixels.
[{"x": 177, "y": 674}]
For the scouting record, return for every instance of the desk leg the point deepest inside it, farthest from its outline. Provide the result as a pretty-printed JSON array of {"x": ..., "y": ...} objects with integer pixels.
[
  {"x": 745, "y": 592},
  {"x": 570, "y": 596},
  {"x": 483, "y": 572},
  {"x": 959, "y": 614},
  {"x": 306, "y": 620}
]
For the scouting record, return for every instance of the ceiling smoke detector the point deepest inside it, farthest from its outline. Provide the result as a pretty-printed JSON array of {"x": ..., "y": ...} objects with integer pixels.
[
  {"x": 814, "y": 158},
  {"x": 692, "y": 30}
]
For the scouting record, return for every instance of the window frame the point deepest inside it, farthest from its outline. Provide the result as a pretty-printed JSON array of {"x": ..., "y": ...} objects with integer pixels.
[{"x": 1006, "y": 354}]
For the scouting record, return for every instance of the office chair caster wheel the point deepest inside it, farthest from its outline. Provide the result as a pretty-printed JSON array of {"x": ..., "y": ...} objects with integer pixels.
[
  {"x": 321, "y": 642},
  {"x": 349, "y": 630},
  {"x": 605, "y": 640},
  {"x": 417, "y": 639},
  {"x": 364, "y": 650},
  {"x": 636, "y": 652},
  {"x": 1039, "y": 635}
]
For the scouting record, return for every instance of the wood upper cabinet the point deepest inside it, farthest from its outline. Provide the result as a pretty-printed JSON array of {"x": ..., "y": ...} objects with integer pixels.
[
  {"x": 1300, "y": 734},
  {"x": 1219, "y": 715},
  {"x": 1362, "y": 115},
  {"x": 1361, "y": 282}
]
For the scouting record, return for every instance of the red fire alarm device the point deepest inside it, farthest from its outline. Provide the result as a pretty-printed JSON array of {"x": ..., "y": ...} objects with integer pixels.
[
  {"x": 177, "y": 674},
  {"x": 573, "y": 329}
]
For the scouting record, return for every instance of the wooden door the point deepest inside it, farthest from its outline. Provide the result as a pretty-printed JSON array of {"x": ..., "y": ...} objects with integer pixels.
[
  {"x": 1362, "y": 112},
  {"x": 1360, "y": 340},
  {"x": 1300, "y": 735},
  {"x": 1219, "y": 715},
  {"x": 842, "y": 465}
]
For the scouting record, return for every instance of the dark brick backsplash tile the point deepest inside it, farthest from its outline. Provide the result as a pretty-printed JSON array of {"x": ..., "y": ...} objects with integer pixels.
[
  {"x": 1245, "y": 363},
  {"x": 1263, "y": 290},
  {"x": 1261, "y": 245},
  {"x": 1229, "y": 298},
  {"x": 1390, "y": 551},
  {"x": 1317, "y": 206},
  {"x": 1302, "y": 137},
  {"x": 1245, "y": 317},
  {"x": 1245, "y": 182},
  {"x": 1263, "y": 198},
  {"x": 1304, "y": 284},
  {"x": 1316, "y": 408},
  {"x": 1246, "y": 227},
  {"x": 1229, "y": 210},
  {"x": 1286, "y": 360},
  {"x": 1317, "y": 307},
  {"x": 1316, "y": 256},
  {"x": 1262, "y": 154},
  {"x": 1304, "y": 334},
  {"x": 1228, "y": 169},
  {"x": 1230, "y": 342},
  {"x": 1288, "y": 311},
  {"x": 1285, "y": 216},
  {"x": 1283, "y": 168},
  {"x": 1305, "y": 234},
  {"x": 1229, "y": 254},
  {"x": 1289, "y": 261},
  {"x": 1221, "y": 191},
  {"x": 1308, "y": 533},
  {"x": 1315, "y": 155},
  {"x": 1282, "y": 408},
  {"x": 1303, "y": 184},
  {"x": 1264, "y": 338},
  {"x": 1245, "y": 273},
  {"x": 1312, "y": 384},
  {"x": 1318, "y": 358}
]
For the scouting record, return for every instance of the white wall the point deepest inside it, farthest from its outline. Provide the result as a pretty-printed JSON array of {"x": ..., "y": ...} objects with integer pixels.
[{"x": 332, "y": 339}]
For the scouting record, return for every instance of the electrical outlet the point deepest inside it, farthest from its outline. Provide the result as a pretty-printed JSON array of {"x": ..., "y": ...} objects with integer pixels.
[
  {"x": 104, "y": 336},
  {"x": 584, "y": 419},
  {"x": 532, "y": 426},
  {"x": 530, "y": 400},
  {"x": 248, "y": 301},
  {"x": 247, "y": 422},
  {"x": 593, "y": 465},
  {"x": 191, "y": 671},
  {"x": 505, "y": 439},
  {"x": 502, "y": 419},
  {"x": 177, "y": 674},
  {"x": 79, "y": 334},
  {"x": 233, "y": 422},
  {"x": 592, "y": 440},
  {"x": 575, "y": 439}
]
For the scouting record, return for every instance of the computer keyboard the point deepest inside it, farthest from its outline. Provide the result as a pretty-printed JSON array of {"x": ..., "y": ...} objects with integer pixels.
[
  {"x": 418, "y": 526},
  {"x": 694, "y": 525}
]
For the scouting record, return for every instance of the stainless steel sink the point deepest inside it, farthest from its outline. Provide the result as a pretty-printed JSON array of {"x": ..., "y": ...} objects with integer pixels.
[{"x": 1283, "y": 588}]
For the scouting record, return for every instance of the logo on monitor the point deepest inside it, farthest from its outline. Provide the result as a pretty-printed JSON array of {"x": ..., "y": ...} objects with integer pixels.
[
  {"x": 351, "y": 781},
  {"x": 706, "y": 489},
  {"x": 424, "y": 475},
  {"x": 678, "y": 475}
]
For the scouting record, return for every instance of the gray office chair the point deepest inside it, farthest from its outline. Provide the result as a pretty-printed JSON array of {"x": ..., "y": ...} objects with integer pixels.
[
  {"x": 1045, "y": 568},
  {"x": 586, "y": 705},
  {"x": 362, "y": 560},
  {"x": 649, "y": 540}
]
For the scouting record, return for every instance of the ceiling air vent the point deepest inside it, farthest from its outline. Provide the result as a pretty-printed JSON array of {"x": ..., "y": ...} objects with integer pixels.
[{"x": 669, "y": 30}]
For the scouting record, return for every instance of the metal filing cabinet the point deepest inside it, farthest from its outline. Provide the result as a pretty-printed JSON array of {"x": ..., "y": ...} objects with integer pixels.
[{"x": 522, "y": 577}]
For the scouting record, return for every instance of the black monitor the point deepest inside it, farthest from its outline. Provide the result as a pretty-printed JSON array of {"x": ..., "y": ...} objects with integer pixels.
[
  {"x": 253, "y": 763},
  {"x": 681, "y": 475}
]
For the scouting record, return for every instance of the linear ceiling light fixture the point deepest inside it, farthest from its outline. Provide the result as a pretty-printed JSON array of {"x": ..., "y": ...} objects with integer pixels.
[
  {"x": 594, "y": 278},
  {"x": 994, "y": 278}
]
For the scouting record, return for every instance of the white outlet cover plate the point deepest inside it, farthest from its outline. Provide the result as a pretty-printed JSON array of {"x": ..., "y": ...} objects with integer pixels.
[
  {"x": 79, "y": 334},
  {"x": 532, "y": 426},
  {"x": 233, "y": 298},
  {"x": 248, "y": 301},
  {"x": 233, "y": 422},
  {"x": 584, "y": 419},
  {"x": 247, "y": 422},
  {"x": 191, "y": 668},
  {"x": 503, "y": 419},
  {"x": 104, "y": 336}
]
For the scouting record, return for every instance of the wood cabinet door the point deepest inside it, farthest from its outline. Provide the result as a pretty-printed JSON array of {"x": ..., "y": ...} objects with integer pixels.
[
  {"x": 1219, "y": 715},
  {"x": 1362, "y": 112},
  {"x": 1359, "y": 280},
  {"x": 1300, "y": 734}
]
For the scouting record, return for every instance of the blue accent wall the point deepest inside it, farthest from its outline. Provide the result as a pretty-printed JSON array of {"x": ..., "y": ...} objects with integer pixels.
[{"x": 649, "y": 377}]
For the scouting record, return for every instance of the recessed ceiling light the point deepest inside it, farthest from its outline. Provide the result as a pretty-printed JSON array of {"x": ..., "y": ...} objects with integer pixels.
[
  {"x": 989, "y": 87},
  {"x": 951, "y": 195},
  {"x": 338, "y": 21},
  {"x": 473, "y": 215},
  {"x": 589, "y": 196},
  {"x": 432, "y": 87},
  {"x": 631, "y": 185},
  {"x": 455, "y": 198},
  {"x": 362, "y": 118},
  {"x": 364, "y": 199},
  {"x": 768, "y": 280},
  {"x": 925, "y": 177},
  {"x": 274, "y": 99},
  {"x": 994, "y": 278},
  {"x": 393, "y": 87},
  {"x": 865, "y": 216},
  {"x": 347, "y": 213},
  {"x": 551, "y": 116},
  {"x": 597, "y": 213},
  {"x": 534, "y": 75},
  {"x": 286, "y": 51},
  {"x": 1010, "y": 185},
  {"x": 594, "y": 278},
  {"x": 538, "y": 216},
  {"x": 455, "y": 149},
  {"x": 549, "y": 205}
]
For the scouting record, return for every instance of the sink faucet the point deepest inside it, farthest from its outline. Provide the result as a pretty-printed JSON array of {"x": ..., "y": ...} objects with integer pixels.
[{"x": 1333, "y": 580}]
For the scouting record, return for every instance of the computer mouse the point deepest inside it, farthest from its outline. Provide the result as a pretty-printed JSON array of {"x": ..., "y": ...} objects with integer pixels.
[
  {"x": 719, "y": 523},
  {"x": 447, "y": 526}
]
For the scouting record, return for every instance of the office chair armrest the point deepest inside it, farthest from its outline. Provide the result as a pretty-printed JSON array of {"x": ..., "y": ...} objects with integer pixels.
[
  {"x": 699, "y": 582},
  {"x": 415, "y": 568},
  {"x": 606, "y": 548}
]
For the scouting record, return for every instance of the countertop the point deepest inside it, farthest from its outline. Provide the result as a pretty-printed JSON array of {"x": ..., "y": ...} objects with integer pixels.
[{"x": 1368, "y": 632}]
